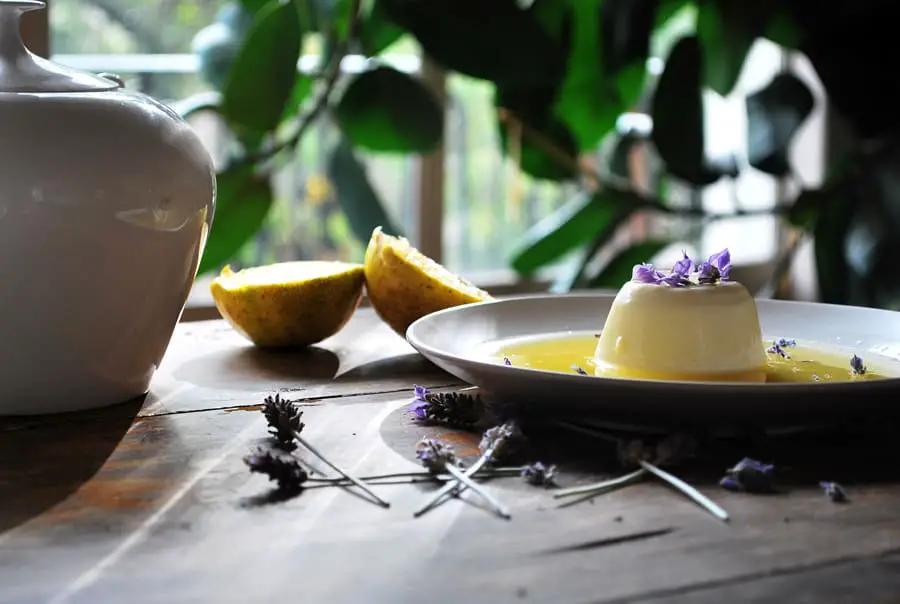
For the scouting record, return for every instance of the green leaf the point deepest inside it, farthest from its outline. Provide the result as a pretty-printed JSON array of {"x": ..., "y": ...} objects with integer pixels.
[
  {"x": 303, "y": 86},
  {"x": 588, "y": 103},
  {"x": 356, "y": 195},
  {"x": 533, "y": 108},
  {"x": 726, "y": 30},
  {"x": 243, "y": 201},
  {"x": 618, "y": 270},
  {"x": 668, "y": 9},
  {"x": 830, "y": 230},
  {"x": 254, "y": 6},
  {"x": 783, "y": 30},
  {"x": 263, "y": 74},
  {"x": 625, "y": 33},
  {"x": 805, "y": 209},
  {"x": 677, "y": 112},
  {"x": 389, "y": 111},
  {"x": 377, "y": 31},
  {"x": 495, "y": 40},
  {"x": 577, "y": 223},
  {"x": 774, "y": 114}
]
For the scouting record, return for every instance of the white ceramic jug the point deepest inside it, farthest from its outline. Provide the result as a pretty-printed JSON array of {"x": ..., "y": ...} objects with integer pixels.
[{"x": 106, "y": 197}]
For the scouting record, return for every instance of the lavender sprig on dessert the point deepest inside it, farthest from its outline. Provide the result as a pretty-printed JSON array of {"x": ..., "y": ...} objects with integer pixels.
[
  {"x": 857, "y": 367},
  {"x": 686, "y": 272}
]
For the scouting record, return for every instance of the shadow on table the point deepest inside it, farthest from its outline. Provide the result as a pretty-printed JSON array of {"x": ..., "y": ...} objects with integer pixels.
[
  {"x": 405, "y": 368},
  {"x": 253, "y": 369},
  {"x": 847, "y": 454},
  {"x": 44, "y": 460}
]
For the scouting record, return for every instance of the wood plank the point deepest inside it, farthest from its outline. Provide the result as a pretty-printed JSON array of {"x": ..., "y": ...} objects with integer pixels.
[{"x": 163, "y": 511}]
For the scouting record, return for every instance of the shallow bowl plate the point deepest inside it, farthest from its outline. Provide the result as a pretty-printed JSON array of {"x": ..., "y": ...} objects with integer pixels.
[{"x": 455, "y": 339}]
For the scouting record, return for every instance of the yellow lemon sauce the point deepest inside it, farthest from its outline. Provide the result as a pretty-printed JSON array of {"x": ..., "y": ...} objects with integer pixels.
[{"x": 565, "y": 353}]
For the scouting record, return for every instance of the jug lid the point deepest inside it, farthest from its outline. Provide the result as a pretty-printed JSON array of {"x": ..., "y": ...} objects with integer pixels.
[{"x": 23, "y": 71}]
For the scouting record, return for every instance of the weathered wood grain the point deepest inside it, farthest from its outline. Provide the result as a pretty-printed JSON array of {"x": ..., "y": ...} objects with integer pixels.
[
  {"x": 151, "y": 502},
  {"x": 208, "y": 363}
]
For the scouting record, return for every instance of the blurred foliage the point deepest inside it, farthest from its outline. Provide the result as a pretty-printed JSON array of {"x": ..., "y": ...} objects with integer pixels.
[{"x": 564, "y": 72}]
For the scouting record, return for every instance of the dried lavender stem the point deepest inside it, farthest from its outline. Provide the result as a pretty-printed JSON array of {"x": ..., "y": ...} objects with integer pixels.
[
  {"x": 498, "y": 507},
  {"x": 688, "y": 490},
  {"x": 424, "y": 475},
  {"x": 352, "y": 479},
  {"x": 601, "y": 486},
  {"x": 455, "y": 485}
]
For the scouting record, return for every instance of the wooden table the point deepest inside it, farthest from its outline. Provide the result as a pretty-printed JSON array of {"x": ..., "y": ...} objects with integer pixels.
[{"x": 150, "y": 502}]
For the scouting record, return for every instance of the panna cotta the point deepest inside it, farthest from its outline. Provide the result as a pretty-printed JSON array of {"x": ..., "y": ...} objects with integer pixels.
[{"x": 688, "y": 324}]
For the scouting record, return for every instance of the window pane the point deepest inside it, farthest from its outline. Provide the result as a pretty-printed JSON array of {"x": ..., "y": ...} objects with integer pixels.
[{"x": 149, "y": 44}]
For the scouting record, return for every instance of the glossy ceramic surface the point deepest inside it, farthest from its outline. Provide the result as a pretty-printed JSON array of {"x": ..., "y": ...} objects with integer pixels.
[
  {"x": 106, "y": 197},
  {"x": 456, "y": 339}
]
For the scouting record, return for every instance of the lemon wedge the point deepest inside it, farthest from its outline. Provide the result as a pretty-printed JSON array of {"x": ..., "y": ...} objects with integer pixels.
[
  {"x": 404, "y": 285},
  {"x": 289, "y": 304}
]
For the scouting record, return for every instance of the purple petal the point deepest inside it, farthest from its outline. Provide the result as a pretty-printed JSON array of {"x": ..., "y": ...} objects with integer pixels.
[
  {"x": 684, "y": 267},
  {"x": 421, "y": 393},
  {"x": 644, "y": 273},
  {"x": 722, "y": 262}
]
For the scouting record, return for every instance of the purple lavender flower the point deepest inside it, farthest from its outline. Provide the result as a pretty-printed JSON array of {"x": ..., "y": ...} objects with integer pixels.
[
  {"x": 834, "y": 491},
  {"x": 644, "y": 273},
  {"x": 750, "y": 476},
  {"x": 579, "y": 370},
  {"x": 420, "y": 403},
  {"x": 539, "y": 475},
  {"x": 458, "y": 409},
  {"x": 435, "y": 455},
  {"x": 857, "y": 367},
  {"x": 497, "y": 442},
  {"x": 685, "y": 266},
  {"x": 777, "y": 348},
  {"x": 716, "y": 268},
  {"x": 786, "y": 343}
]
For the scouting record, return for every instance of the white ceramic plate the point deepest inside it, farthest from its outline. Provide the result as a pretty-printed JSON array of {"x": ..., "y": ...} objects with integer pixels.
[{"x": 455, "y": 339}]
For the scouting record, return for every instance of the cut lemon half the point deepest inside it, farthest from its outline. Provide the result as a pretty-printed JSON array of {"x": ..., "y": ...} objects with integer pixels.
[
  {"x": 289, "y": 304},
  {"x": 404, "y": 285}
]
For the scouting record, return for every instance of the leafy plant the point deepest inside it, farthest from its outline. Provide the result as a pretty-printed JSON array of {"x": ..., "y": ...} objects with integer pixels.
[{"x": 564, "y": 72}]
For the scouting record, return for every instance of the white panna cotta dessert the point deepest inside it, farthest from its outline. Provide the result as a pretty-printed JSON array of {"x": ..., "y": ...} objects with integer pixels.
[{"x": 690, "y": 324}]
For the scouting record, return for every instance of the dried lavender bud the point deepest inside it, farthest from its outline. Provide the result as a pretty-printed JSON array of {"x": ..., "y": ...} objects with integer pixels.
[
  {"x": 456, "y": 409},
  {"x": 579, "y": 370},
  {"x": 435, "y": 455},
  {"x": 507, "y": 362},
  {"x": 285, "y": 471},
  {"x": 785, "y": 343},
  {"x": 539, "y": 475},
  {"x": 856, "y": 366},
  {"x": 834, "y": 491},
  {"x": 283, "y": 417},
  {"x": 750, "y": 476},
  {"x": 500, "y": 442},
  {"x": 777, "y": 348},
  {"x": 634, "y": 451}
]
